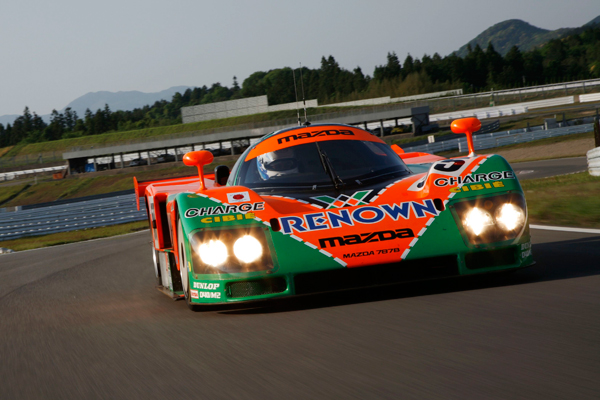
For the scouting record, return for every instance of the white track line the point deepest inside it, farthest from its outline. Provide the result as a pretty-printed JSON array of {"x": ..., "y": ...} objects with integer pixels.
[{"x": 565, "y": 229}]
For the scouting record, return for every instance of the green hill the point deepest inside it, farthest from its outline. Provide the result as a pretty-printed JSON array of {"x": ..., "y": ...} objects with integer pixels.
[{"x": 512, "y": 32}]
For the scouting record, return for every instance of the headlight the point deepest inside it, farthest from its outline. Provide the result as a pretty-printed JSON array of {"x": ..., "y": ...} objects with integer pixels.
[
  {"x": 509, "y": 217},
  {"x": 247, "y": 249},
  {"x": 230, "y": 250},
  {"x": 477, "y": 220},
  {"x": 213, "y": 253},
  {"x": 492, "y": 219}
]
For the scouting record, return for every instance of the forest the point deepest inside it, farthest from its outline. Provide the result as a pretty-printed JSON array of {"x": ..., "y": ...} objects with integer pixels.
[{"x": 574, "y": 57}]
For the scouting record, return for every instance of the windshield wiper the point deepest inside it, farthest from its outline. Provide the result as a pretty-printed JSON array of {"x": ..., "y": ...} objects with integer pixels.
[{"x": 335, "y": 178}]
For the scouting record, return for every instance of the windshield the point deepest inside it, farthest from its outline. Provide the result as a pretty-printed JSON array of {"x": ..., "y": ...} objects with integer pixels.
[{"x": 319, "y": 164}]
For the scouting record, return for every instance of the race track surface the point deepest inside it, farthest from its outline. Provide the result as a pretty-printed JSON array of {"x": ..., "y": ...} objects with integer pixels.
[
  {"x": 84, "y": 321},
  {"x": 548, "y": 168}
]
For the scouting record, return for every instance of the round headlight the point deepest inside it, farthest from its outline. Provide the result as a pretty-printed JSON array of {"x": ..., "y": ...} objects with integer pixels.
[
  {"x": 247, "y": 249},
  {"x": 477, "y": 219},
  {"x": 510, "y": 217},
  {"x": 213, "y": 253}
]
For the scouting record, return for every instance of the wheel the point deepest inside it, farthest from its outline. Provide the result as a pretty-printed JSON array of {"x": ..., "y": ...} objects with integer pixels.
[
  {"x": 155, "y": 256},
  {"x": 184, "y": 266}
]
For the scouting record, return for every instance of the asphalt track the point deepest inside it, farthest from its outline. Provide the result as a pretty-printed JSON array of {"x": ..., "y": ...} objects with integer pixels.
[
  {"x": 84, "y": 321},
  {"x": 547, "y": 168}
]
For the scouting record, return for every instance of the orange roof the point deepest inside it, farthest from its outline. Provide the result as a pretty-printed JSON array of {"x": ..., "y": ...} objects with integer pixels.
[{"x": 310, "y": 134}]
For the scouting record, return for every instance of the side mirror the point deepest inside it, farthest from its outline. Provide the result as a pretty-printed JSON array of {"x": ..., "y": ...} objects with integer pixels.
[
  {"x": 221, "y": 175},
  {"x": 467, "y": 126},
  {"x": 199, "y": 159}
]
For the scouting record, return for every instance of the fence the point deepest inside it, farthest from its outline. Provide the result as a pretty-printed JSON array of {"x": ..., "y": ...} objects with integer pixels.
[
  {"x": 70, "y": 216},
  {"x": 29, "y": 159},
  {"x": 491, "y": 140}
]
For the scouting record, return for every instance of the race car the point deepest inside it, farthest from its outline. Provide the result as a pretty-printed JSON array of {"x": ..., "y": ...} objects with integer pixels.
[{"x": 316, "y": 208}]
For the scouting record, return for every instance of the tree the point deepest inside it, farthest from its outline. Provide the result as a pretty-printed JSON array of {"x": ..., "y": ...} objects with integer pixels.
[
  {"x": 70, "y": 117},
  {"x": 254, "y": 85},
  {"x": 279, "y": 86},
  {"x": 534, "y": 67},
  {"x": 89, "y": 122},
  {"x": 408, "y": 67},
  {"x": 554, "y": 54},
  {"x": 513, "y": 72},
  {"x": 328, "y": 78},
  {"x": 360, "y": 82},
  {"x": 56, "y": 129},
  {"x": 495, "y": 65},
  {"x": 391, "y": 70}
]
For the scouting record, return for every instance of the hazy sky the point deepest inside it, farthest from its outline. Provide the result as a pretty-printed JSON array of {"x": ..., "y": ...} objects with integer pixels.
[{"x": 55, "y": 51}]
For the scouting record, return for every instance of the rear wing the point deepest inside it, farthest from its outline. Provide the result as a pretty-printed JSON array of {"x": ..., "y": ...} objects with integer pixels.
[{"x": 140, "y": 186}]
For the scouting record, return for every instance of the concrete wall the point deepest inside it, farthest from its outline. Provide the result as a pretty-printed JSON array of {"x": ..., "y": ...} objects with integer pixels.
[
  {"x": 454, "y": 92},
  {"x": 237, "y": 108},
  {"x": 367, "y": 102}
]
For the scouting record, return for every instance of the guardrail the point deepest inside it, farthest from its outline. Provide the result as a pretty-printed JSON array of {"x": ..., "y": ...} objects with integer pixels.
[
  {"x": 584, "y": 98},
  {"x": 71, "y": 216},
  {"x": 7, "y": 176},
  {"x": 593, "y": 159},
  {"x": 495, "y": 139}
]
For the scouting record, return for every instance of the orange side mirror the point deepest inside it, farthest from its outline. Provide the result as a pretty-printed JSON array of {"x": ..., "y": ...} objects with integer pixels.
[
  {"x": 199, "y": 159},
  {"x": 467, "y": 126}
]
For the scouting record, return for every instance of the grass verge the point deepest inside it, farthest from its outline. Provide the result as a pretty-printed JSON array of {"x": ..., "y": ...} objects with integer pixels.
[
  {"x": 56, "y": 239},
  {"x": 566, "y": 200},
  {"x": 8, "y": 193}
]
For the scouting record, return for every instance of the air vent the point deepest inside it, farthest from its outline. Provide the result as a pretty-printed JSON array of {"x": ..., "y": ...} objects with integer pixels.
[
  {"x": 256, "y": 288},
  {"x": 491, "y": 258}
]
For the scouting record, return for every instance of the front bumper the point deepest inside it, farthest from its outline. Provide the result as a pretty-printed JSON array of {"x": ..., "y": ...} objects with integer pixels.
[{"x": 271, "y": 286}]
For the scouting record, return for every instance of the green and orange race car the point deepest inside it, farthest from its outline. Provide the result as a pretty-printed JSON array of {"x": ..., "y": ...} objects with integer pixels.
[{"x": 326, "y": 207}]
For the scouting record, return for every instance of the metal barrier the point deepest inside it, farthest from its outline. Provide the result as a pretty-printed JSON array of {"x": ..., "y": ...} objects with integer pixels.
[
  {"x": 496, "y": 139},
  {"x": 7, "y": 176},
  {"x": 70, "y": 217},
  {"x": 593, "y": 159},
  {"x": 584, "y": 98}
]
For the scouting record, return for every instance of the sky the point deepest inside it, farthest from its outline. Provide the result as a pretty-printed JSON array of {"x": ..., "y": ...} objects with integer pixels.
[{"x": 52, "y": 52}]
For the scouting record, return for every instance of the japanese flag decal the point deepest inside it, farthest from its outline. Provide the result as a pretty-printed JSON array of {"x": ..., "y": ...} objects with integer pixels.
[{"x": 238, "y": 197}]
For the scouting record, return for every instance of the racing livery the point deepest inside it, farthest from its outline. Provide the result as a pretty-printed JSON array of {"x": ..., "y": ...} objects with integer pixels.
[{"x": 325, "y": 207}]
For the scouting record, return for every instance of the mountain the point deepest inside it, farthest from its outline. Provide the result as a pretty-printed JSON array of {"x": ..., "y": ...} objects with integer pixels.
[
  {"x": 8, "y": 119},
  {"x": 592, "y": 22},
  {"x": 125, "y": 101},
  {"x": 512, "y": 32}
]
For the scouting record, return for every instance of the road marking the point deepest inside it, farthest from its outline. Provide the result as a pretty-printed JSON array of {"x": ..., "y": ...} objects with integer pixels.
[{"x": 565, "y": 229}]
